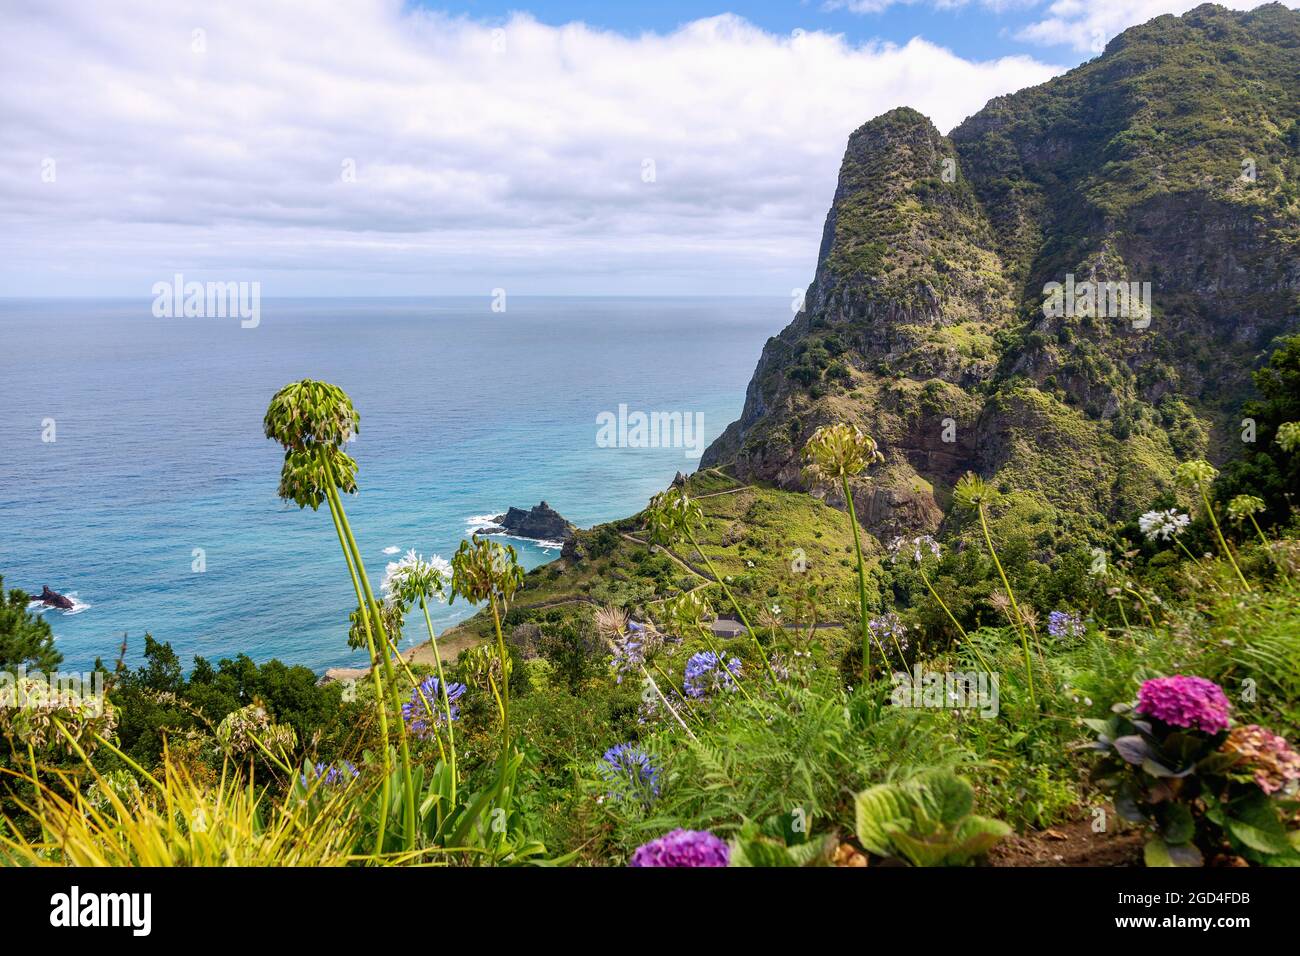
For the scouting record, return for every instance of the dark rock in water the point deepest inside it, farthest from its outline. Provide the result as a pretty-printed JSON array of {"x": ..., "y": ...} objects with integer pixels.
[
  {"x": 54, "y": 599},
  {"x": 541, "y": 522}
]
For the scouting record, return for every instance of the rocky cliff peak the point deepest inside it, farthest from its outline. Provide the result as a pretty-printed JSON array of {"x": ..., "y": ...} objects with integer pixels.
[{"x": 1170, "y": 164}]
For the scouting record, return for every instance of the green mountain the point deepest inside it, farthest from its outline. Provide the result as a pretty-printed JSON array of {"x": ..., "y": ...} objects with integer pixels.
[{"x": 1172, "y": 159}]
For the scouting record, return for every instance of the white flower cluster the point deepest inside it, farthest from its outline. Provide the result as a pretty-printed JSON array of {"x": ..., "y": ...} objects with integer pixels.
[{"x": 1163, "y": 525}]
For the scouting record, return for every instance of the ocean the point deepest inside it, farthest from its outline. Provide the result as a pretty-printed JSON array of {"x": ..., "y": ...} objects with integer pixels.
[{"x": 136, "y": 479}]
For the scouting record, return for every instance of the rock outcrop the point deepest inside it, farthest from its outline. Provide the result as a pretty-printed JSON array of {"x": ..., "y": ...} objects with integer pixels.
[
  {"x": 54, "y": 599},
  {"x": 541, "y": 522}
]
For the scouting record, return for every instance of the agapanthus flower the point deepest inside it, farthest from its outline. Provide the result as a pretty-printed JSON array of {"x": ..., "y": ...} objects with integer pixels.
[
  {"x": 1243, "y": 506},
  {"x": 705, "y": 673},
  {"x": 683, "y": 848},
  {"x": 889, "y": 626},
  {"x": 1163, "y": 525},
  {"x": 1182, "y": 701},
  {"x": 1066, "y": 624},
  {"x": 633, "y": 647},
  {"x": 330, "y": 775},
  {"x": 412, "y": 577},
  {"x": 914, "y": 549},
  {"x": 629, "y": 771},
  {"x": 1276, "y": 766},
  {"x": 416, "y": 714}
]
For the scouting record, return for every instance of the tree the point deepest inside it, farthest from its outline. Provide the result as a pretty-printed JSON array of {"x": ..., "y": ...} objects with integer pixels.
[
  {"x": 25, "y": 638},
  {"x": 1266, "y": 469}
]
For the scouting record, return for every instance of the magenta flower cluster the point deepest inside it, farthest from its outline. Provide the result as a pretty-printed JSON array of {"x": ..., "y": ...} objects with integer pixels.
[
  {"x": 1181, "y": 701},
  {"x": 683, "y": 848}
]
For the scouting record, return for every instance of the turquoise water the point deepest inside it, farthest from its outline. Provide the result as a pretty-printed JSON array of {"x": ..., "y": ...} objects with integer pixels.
[{"x": 159, "y": 450}]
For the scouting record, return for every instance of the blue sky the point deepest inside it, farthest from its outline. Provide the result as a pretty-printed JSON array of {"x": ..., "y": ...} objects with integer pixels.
[
  {"x": 972, "y": 30},
  {"x": 382, "y": 147}
]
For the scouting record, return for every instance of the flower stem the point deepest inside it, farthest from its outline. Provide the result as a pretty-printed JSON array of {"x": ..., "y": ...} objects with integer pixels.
[
  {"x": 960, "y": 630},
  {"x": 862, "y": 583},
  {"x": 736, "y": 605},
  {"x": 403, "y": 745},
  {"x": 446, "y": 700},
  {"x": 1024, "y": 640},
  {"x": 1209, "y": 510},
  {"x": 384, "y": 785}
]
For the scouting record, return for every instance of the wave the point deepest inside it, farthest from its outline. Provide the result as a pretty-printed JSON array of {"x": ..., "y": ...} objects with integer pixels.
[
  {"x": 474, "y": 522},
  {"x": 392, "y": 549}
]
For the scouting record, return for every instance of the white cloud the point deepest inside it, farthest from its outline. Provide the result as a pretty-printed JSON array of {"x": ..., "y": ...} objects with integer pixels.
[
  {"x": 510, "y": 158},
  {"x": 1088, "y": 25}
]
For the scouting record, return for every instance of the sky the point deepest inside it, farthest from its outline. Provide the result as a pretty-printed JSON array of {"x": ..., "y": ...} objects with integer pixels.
[{"x": 381, "y": 147}]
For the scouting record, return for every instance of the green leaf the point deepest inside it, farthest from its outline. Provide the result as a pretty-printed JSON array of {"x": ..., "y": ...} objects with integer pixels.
[
  {"x": 876, "y": 807},
  {"x": 1159, "y": 853},
  {"x": 1178, "y": 827},
  {"x": 1254, "y": 821},
  {"x": 945, "y": 796},
  {"x": 975, "y": 836}
]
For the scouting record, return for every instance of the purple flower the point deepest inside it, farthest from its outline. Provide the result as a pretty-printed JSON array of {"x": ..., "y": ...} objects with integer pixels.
[
  {"x": 1064, "y": 624},
  {"x": 704, "y": 673},
  {"x": 628, "y": 769},
  {"x": 1182, "y": 701},
  {"x": 416, "y": 714},
  {"x": 330, "y": 775},
  {"x": 683, "y": 848},
  {"x": 890, "y": 626}
]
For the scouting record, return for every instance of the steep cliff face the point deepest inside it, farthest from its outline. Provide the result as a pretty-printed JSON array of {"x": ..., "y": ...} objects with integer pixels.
[{"x": 1173, "y": 160}]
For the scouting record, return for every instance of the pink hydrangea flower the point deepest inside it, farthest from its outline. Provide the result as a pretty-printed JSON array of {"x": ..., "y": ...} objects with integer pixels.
[
  {"x": 1182, "y": 701},
  {"x": 683, "y": 848}
]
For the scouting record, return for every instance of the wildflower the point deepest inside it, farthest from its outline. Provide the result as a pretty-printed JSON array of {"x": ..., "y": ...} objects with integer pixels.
[
  {"x": 1195, "y": 474},
  {"x": 1065, "y": 624},
  {"x": 1275, "y": 764},
  {"x": 1243, "y": 506},
  {"x": 836, "y": 452},
  {"x": 630, "y": 769},
  {"x": 704, "y": 673},
  {"x": 974, "y": 493},
  {"x": 918, "y": 546},
  {"x": 683, "y": 848},
  {"x": 1163, "y": 525},
  {"x": 330, "y": 775},
  {"x": 1182, "y": 701},
  {"x": 891, "y": 626},
  {"x": 485, "y": 570},
  {"x": 412, "y": 578},
  {"x": 629, "y": 654},
  {"x": 415, "y": 712},
  {"x": 393, "y": 616},
  {"x": 34, "y": 711},
  {"x": 670, "y": 515}
]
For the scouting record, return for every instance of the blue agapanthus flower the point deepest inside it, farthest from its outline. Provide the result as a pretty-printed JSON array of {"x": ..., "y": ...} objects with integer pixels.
[
  {"x": 416, "y": 714},
  {"x": 331, "y": 775},
  {"x": 1064, "y": 624},
  {"x": 705, "y": 673},
  {"x": 630, "y": 772}
]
